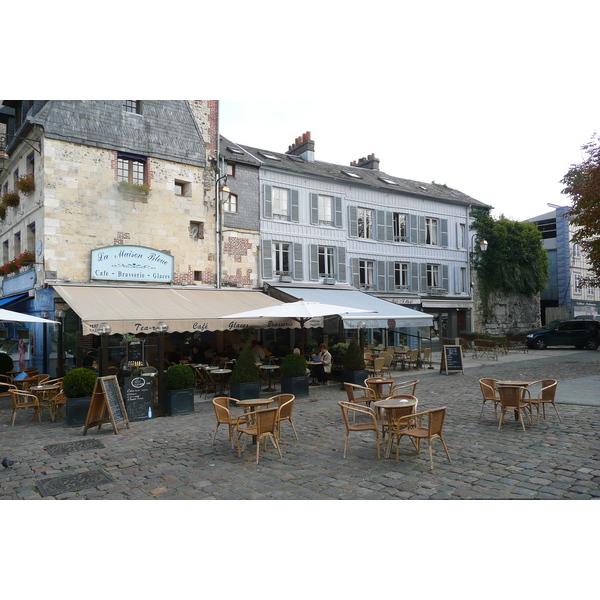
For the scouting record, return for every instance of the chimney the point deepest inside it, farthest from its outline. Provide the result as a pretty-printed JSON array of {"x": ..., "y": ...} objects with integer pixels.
[
  {"x": 367, "y": 163},
  {"x": 304, "y": 147}
]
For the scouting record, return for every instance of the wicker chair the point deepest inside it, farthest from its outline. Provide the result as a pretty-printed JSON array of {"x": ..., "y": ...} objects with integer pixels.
[
  {"x": 221, "y": 406},
  {"x": 395, "y": 415},
  {"x": 369, "y": 425},
  {"x": 286, "y": 406},
  {"x": 412, "y": 359},
  {"x": 259, "y": 424},
  {"x": 490, "y": 394},
  {"x": 405, "y": 386},
  {"x": 387, "y": 364},
  {"x": 435, "y": 424},
  {"x": 58, "y": 401},
  {"x": 545, "y": 396},
  {"x": 352, "y": 391},
  {"x": 512, "y": 397},
  {"x": 377, "y": 368},
  {"x": 23, "y": 400}
]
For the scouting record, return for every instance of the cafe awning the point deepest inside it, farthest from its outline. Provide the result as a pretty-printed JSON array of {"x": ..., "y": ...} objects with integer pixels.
[
  {"x": 385, "y": 315},
  {"x": 139, "y": 309}
]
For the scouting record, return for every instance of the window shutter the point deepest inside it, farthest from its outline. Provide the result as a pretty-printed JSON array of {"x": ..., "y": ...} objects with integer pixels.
[
  {"x": 414, "y": 277},
  {"x": 314, "y": 262},
  {"x": 268, "y": 201},
  {"x": 341, "y": 273},
  {"x": 457, "y": 286},
  {"x": 389, "y": 229},
  {"x": 444, "y": 231},
  {"x": 414, "y": 230},
  {"x": 458, "y": 235},
  {"x": 294, "y": 207},
  {"x": 337, "y": 207},
  {"x": 380, "y": 228},
  {"x": 381, "y": 275},
  {"x": 355, "y": 273},
  {"x": 267, "y": 256},
  {"x": 422, "y": 235},
  {"x": 391, "y": 278},
  {"x": 424, "y": 287},
  {"x": 314, "y": 209},
  {"x": 445, "y": 282},
  {"x": 353, "y": 221},
  {"x": 298, "y": 263}
]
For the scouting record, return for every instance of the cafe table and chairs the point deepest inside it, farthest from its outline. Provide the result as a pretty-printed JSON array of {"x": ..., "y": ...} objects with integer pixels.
[
  {"x": 221, "y": 379},
  {"x": 268, "y": 370},
  {"x": 514, "y": 397},
  {"x": 312, "y": 364},
  {"x": 249, "y": 406},
  {"x": 390, "y": 412},
  {"x": 45, "y": 394},
  {"x": 378, "y": 385},
  {"x": 258, "y": 424}
]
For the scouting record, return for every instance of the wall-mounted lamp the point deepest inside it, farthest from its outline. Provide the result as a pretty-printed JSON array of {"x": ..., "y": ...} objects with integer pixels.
[
  {"x": 3, "y": 160},
  {"x": 161, "y": 327},
  {"x": 104, "y": 329}
]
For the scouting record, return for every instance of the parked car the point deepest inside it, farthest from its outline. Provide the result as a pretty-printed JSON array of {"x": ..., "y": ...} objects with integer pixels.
[
  {"x": 572, "y": 332},
  {"x": 588, "y": 317}
]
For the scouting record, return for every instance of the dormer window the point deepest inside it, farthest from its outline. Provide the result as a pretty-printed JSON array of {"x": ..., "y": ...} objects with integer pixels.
[{"x": 133, "y": 106}]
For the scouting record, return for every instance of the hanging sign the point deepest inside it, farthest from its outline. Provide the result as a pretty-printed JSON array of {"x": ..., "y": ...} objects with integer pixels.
[{"x": 131, "y": 263}]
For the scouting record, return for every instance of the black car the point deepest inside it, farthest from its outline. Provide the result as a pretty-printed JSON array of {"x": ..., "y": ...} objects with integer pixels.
[{"x": 571, "y": 332}]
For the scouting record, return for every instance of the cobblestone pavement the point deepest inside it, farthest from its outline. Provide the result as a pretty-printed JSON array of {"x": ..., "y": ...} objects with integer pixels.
[{"x": 172, "y": 458}]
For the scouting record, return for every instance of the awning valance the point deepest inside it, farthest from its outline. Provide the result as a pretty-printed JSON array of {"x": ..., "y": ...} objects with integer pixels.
[
  {"x": 385, "y": 315},
  {"x": 139, "y": 309}
]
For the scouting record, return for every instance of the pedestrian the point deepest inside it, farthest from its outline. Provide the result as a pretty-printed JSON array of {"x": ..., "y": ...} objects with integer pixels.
[{"x": 323, "y": 370}]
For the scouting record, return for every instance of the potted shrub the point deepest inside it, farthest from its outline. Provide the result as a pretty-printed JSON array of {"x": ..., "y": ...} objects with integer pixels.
[
  {"x": 294, "y": 379},
  {"x": 245, "y": 380},
  {"x": 354, "y": 370},
  {"x": 179, "y": 390},
  {"x": 78, "y": 387}
]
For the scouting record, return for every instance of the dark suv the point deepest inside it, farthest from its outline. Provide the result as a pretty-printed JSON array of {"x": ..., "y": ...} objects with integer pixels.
[{"x": 573, "y": 332}]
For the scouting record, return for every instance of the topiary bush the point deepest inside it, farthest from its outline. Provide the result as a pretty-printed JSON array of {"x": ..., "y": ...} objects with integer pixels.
[
  {"x": 6, "y": 363},
  {"x": 354, "y": 359},
  {"x": 293, "y": 365},
  {"x": 338, "y": 349},
  {"x": 79, "y": 383},
  {"x": 179, "y": 377},
  {"x": 245, "y": 369}
]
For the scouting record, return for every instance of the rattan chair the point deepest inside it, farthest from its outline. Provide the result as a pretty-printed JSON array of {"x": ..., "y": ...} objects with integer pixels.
[
  {"x": 512, "y": 397},
  {"x": 259, "y": 424},
  {"x": 58, "y": 401},
  {"x": 435, "y": 424},
  {"x": 387, "y": 363},
  {"x": 24, "y": 400},
  {"x": 377, "y": 368},
  {"x": 545, "y": 396},
  {"x": 40, "y": 379},
  {"x": 412, "y": 359},
  {"x": 286, "y": 406},
  {"x": 408, "y": 386},
  {"x": 389, "y": 428},
  {"x": 360, "y": 394},
  {"x": 369, "y": 425},
  {"x": 490, "y": 394},
  {"x": 223, "y": 414}
]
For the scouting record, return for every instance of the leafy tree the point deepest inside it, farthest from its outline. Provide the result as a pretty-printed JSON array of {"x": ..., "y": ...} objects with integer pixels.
[{"x": 583, "y": 186}]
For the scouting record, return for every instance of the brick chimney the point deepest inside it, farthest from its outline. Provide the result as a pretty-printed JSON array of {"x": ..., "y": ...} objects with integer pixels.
[
  {"x": 304, "y": 147},
  {"x": 367, "y": 163}
]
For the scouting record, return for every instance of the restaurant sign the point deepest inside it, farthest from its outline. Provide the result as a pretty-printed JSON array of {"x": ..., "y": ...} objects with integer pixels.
[{"x": 131, "y": 263}]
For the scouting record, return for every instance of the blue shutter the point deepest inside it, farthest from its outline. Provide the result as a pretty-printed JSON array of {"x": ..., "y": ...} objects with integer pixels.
[
  {"x": 267, "y": 259},
  {"x": 423, "y": 268},
  {"x": 268, "y": 201},
  {"x": 314, "y": 209},
  {"x": 337, "y": 208},
  {"x": 422, "y": 233},
  {"x": 355, "y": 273},
  {"x": 413, "y": 229},
  {"x": 294, "y": 207},
  {"x": 380, "y": 275},
  {"x": 389, "y": 227},
  {"x": 445, "y": 282},
  {"x": 298, "y": 263},
  {"x": 391, "y": 278},
  {"x": 341, "y": 256},
  {"x": 353, "y": 222},
  {"x": 414, "y": 277},
  {"x": 444, "y": 231},
  {"x": 314, "y": 262},
  {"x": 379, "y": 230}
]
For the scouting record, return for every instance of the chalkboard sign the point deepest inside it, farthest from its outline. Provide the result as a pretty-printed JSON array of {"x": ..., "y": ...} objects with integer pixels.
[
  {"x": 138, "y": 394},
  {"x": 106, "y": 399},
  {"x": 452, "y": 359},
  {"x": 135, "y": 353}
]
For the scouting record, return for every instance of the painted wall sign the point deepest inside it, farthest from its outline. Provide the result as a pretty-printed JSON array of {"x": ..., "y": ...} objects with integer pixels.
[{"x": 131, "y": 263}]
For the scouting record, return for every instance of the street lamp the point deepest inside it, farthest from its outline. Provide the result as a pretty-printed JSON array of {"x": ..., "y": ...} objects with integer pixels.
[
  {"x": 161, "y": 328},
  {"x": 219, "y": 189},
  {"x": 104, "y": 330}
]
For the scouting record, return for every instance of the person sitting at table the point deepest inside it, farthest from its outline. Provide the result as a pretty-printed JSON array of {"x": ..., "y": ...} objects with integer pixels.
[
  {"x": 196, "y": 355},
  {"x": 323, "y": 370},
  {"x": 297, "y": 351},
  {"x": 258, "y": 351}
]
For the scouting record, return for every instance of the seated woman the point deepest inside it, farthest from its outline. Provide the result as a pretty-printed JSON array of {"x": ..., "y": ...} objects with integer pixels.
[{"x": 323, "y": 370}]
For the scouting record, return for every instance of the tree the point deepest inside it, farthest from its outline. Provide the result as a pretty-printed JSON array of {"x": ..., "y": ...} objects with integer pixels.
[{"x": 583, "y": 186}]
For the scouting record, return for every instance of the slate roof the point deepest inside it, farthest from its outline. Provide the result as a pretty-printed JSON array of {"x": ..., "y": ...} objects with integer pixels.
[{"x": 366, "y": 177}]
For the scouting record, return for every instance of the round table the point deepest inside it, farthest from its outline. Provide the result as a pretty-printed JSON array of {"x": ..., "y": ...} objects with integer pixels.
[
  {"x": 377, "y": 383},
  {"x": 269, "y": 369},
  {"x": 389, "y": 404},
  {"x": 221, "y": 374}
]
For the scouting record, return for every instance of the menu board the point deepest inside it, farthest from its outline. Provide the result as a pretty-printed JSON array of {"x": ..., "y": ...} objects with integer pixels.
[
  {"x": 106, "y": 399},
  {"x": 138, "y": 394},
  {"x": 135, "y": 353},
  {"x": 452, "y": 359}
]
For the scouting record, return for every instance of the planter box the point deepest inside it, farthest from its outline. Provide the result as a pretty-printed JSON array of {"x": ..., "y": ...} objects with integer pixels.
[
  {"x": 356, "y": 377},
  {"x": 295, "y": 385},
  {"x": 245, "y": 391},
  {"x": 77, "y": 411},
  {"x": 179, "y": 402}
]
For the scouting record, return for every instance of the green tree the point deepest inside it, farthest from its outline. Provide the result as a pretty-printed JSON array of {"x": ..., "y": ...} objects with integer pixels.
[
  {"x": 515, "y": 260},
  {"x": 583, "y": 186}
]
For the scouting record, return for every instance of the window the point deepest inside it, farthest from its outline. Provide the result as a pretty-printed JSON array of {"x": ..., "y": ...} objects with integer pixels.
[
  {"x": 460, "y": 242},
  {"x": 17, "y": 243},
  {"x": 15, "y": 178},
  {"x": 325, "y": 210},
  {"x": 230, "y": 169},
  {"x": 196, "y": 230},
  {"x": 280, "y": 201},
  {"x": 133, "y": 106},
  {"x": 30, "y": 242},
  {"x": 5, "y": 258},
  {"x": 131, "y": 169},
  {"x": 590, "y": 290},
  {"x": 433, "y": 276},
  {"x": 576, "y": 251},
  {"x": 577, "y": 283},
  {"x": 431, "y": 231},
  {"x": 198, "y": 276},
  {"x": 365, "y": 223},
  {"x": 401, "y": 275},
  {"x": 463, "y": 287},
  {"x": 326, "y": 261},
  {"x": 31, "y": 164},
  {"x": 230, "y": 202},
  {"x": 183, "y": 188},
  {"x": 400, "y": 234},
  {"x": 366, "y": 272},
  {"x": 281, "y": 258}
]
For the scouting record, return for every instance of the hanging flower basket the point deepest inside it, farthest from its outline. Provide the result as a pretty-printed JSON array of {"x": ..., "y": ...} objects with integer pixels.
[
  {"x": 133, "y": 188},
  {"x": 25, "y": 184},
  {"x": 23, "y": 260},
  {"x": 10, "y": 199}
]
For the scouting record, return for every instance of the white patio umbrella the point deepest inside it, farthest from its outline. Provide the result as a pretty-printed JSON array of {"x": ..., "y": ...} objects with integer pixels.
[
  {"x": 16, "y": 317},
  {"x": 300, "y": 311}
]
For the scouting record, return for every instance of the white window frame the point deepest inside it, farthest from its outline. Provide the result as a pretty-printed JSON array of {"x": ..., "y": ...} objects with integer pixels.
[
  {"x": 431, "y": 231},
  {"x": 401, "y": 275},
  {"x": 577, "y": 283},
  {"x": 230, "y": 202},
  {"x": 326, "y": 257},
  {"x": 433, "y": 276},
  {"x": 364, "y": 220},
  {"x": 400, "y": 227},
  {"x": 280, "y": 202},
  {"x": 281, "y": 258},
  {"x": 325, "y": 210},
  {"x": 366, "y": 272}
]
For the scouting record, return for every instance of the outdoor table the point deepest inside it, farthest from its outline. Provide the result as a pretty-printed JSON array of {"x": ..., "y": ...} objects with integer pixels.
[
  {"x": 42, "y": 392},
  {"x": 389, "y": 404},
  {"x": 23, "y": 384},
  {"x": 513, "y": 384},
  {"x": 311, "y": 364},
  {"x": 269, "y": 369},
  {"x": 254, "y": 403},
  {"x": 221, "y": 375},
  {"x": 377, "y": 383}
]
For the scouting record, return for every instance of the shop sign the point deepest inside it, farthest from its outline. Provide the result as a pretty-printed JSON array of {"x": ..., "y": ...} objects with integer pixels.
[{"x": 131, "y": 263}]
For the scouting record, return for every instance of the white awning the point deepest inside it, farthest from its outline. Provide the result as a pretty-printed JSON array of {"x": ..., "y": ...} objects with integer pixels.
[
  {"x": 388, "y": 315},
  {"x": 447, "y": 304},
  {"x": 139, "y": 309}
]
